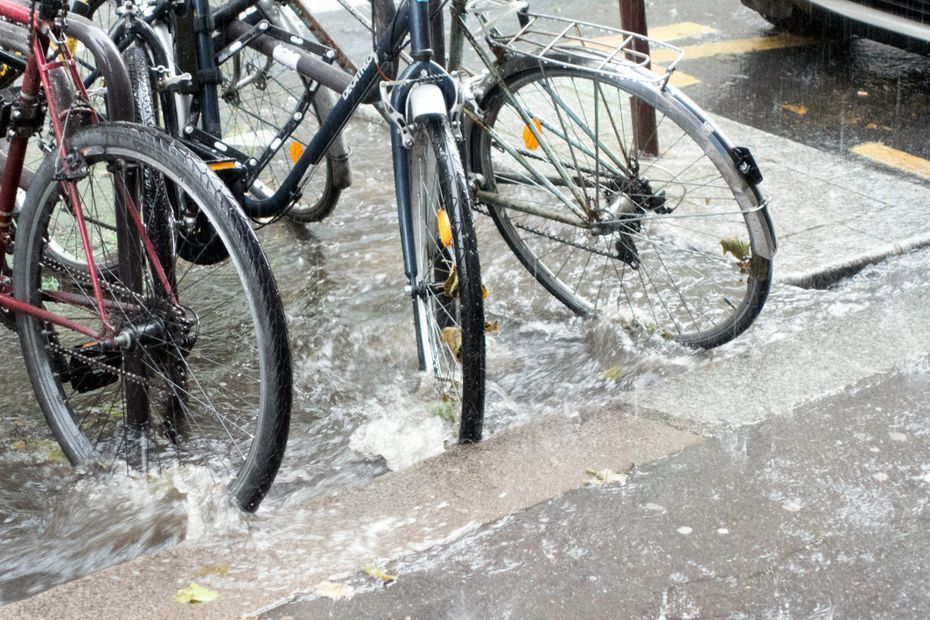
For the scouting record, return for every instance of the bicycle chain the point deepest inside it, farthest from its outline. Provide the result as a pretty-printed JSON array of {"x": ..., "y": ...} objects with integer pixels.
[{"x": 98, "y": 364}]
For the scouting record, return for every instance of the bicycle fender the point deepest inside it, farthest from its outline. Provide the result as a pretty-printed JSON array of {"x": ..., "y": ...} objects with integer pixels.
[{"x": 424, "y": 100}]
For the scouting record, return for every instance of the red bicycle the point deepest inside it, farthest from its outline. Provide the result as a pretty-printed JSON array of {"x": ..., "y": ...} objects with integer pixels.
[{"x": 139, "y": 358}]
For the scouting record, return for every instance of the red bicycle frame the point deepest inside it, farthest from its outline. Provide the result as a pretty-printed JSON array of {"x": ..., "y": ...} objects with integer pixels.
[{"x": 44, "y": 54}]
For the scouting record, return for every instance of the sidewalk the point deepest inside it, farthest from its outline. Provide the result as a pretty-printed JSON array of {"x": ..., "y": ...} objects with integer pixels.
[{"x": 740, "y": 526}]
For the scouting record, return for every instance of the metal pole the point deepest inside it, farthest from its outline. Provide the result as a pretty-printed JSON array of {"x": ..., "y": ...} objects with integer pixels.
[{"x": 633, "y": 19}]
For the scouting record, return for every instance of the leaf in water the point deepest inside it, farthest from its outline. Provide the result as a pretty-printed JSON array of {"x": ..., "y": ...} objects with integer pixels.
[
  {"x": 451, "y": 287},
  {"x": 376, "y": 571},
  {"x": 484, "y": 292},
  {"x": 492, "y": 327},
  {"x": 446, "y": 410},
  {"x": 611, "y": 374},
  {"x": 800, "y": 110},
  {"x": 732, "y": 245},
  {"x": 212, "y": 569},
  {"x": 19, "y": 445},
  {"x": 604, "y": 476},
  {"x": 333, "y": 590},
  {"x": 452, "y": 336},
  {"x": 195, "y": 593}
]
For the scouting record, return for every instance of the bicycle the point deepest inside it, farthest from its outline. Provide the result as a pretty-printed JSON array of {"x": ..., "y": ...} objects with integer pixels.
[
  {"x": 437, "y": 236},
  {"x": 663, "y": 229},
  {"x": 127, "y": 346}
]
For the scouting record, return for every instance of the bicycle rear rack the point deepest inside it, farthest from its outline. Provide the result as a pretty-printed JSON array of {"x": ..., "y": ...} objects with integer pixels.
[{"x": 574, "y": 43}]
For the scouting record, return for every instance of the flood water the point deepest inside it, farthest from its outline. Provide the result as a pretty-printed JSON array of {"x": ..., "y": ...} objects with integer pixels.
[{"x": 358, "y": 411}]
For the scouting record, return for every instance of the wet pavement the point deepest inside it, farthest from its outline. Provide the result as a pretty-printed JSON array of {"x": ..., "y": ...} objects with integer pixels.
[
  {"x": 359, "y": 415},
  {"x": 819, "y": 515}
]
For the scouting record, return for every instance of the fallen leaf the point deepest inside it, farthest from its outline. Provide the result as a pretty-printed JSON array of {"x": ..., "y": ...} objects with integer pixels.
[
  {"x": 19, "y": 445},
  {"x": 212, "y": 569},
  {"x": 451, "y": 287},
  {"x": 445, "y": 410},
  {"x": 738, "y": 248},
  {"x": 612, "y": 374},
  {"x": 604, "y": 476},
  {"x": 333, "y": 590},
  {"x": 373, "y": 570},
  {"x": 800, "y": 110},
  {"x": 492, "y": 327},
  {"x": 452, "y": 336},
  {"x": 195, "y": 593}
]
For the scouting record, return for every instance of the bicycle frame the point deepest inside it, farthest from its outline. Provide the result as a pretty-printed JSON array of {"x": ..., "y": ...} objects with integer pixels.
[
  {"x": 412, "y": 17},
  {"x": 26, "y": 116}
]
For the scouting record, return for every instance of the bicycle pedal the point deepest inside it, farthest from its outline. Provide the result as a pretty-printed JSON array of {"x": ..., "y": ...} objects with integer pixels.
[{"x": 91, "y": 368}]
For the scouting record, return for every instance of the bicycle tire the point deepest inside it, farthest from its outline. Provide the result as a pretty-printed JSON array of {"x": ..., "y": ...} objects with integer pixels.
[
  {"x": 215, "y": 375},
  {"x": 649, "y": 260},
  {"x": 449, "y": 305},
  {"x": 196, "y": 240}
]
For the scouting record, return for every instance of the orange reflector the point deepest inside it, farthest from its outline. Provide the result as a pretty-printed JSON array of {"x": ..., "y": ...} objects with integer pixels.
[
  {"x": 228, "y": 164},
  {"x": 445, "y": 228},
  {"x": 528, "y": 138},
  {"x": 297, "y": 149}
]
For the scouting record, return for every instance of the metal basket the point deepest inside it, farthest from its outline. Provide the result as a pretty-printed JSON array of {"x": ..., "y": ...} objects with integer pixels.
[{"x": 601, "y": 48}]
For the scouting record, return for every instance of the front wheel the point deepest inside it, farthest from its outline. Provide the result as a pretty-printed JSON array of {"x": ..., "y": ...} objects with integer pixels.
[
  {"x": 196, "y": 370},
  {"x": 657, "y": 230},
  {"x": 449, "y": 305}
]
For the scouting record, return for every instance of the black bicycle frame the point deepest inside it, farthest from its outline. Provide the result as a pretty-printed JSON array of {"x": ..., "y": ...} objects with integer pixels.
[{"x": 412, "y": 17}]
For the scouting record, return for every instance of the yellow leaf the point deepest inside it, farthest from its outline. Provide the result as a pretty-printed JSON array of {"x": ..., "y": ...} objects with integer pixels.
[
  {"x": 604, "y": 476},
  {"x": 335, "y": 591},
  {"x": 373, "y": 570},
  {"x": 212, "y": 569},
  {"x": 19, "y": 445},
  {"x": 452, "y": 336},
  {"x": 738, "y": 248},
  {"x": 451, "y": 287},
  {"x": 528, "y": 138},
  {"x": 612, "y": 374},
  {"x": 195, "y": 593},
  {"x": 484, "y": 292},
  {"x": 800, "y": 110},
  {"x": 492, "y": 327}
]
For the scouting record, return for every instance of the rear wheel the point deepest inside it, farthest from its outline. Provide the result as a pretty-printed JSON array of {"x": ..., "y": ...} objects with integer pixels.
[
  {"x": 198, "y": 371},
  {"x": 662, "y": 241},
  {"x": 449, "y": 305}
]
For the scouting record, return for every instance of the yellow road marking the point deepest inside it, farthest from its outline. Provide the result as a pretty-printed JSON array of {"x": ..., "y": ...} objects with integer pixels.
[
  {"x": 681, "y": 30},
  {"x": 736, "y": 46},
  {"x": 878, "y": 152}
]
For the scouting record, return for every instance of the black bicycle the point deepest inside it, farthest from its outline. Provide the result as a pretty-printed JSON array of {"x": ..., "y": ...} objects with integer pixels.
[{"x": 254, "y": 68}]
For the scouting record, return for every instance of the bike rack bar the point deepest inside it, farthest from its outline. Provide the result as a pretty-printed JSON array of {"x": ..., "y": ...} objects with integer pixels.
[{"x": 633, "y": 19}]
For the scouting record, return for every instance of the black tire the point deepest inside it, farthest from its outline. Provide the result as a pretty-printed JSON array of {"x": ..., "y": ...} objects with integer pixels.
[
  {"x": 196, "y": 240},
  {"x": 210, "y": 381},
  {"x": 449, "y": 322},
  {"x": 649, "y": 231}
]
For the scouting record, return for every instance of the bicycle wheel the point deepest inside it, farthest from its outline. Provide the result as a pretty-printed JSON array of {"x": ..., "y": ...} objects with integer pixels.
[
  {"x": 198, "y": 372},
  {"x": 667, "y": 242},
  {"x": 449, "y": 305},
  {"x": 196, "y": 240},
  {"x": 264, "y": 104}
]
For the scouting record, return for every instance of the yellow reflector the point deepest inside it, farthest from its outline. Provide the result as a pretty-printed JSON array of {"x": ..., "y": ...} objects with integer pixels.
[
  {"x": 222, "y": 165},
  {"x": 528, "y": 138},
  {"x": 445, "y": 227},
  {"x": 297, "y": 149},
  {"x": 71, "y": 43}
]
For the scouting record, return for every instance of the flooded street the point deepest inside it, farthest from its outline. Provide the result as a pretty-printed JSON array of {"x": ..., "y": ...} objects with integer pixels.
[
  {"x": 358, "y": 410},
  {"x": 362, "y": 410}
]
